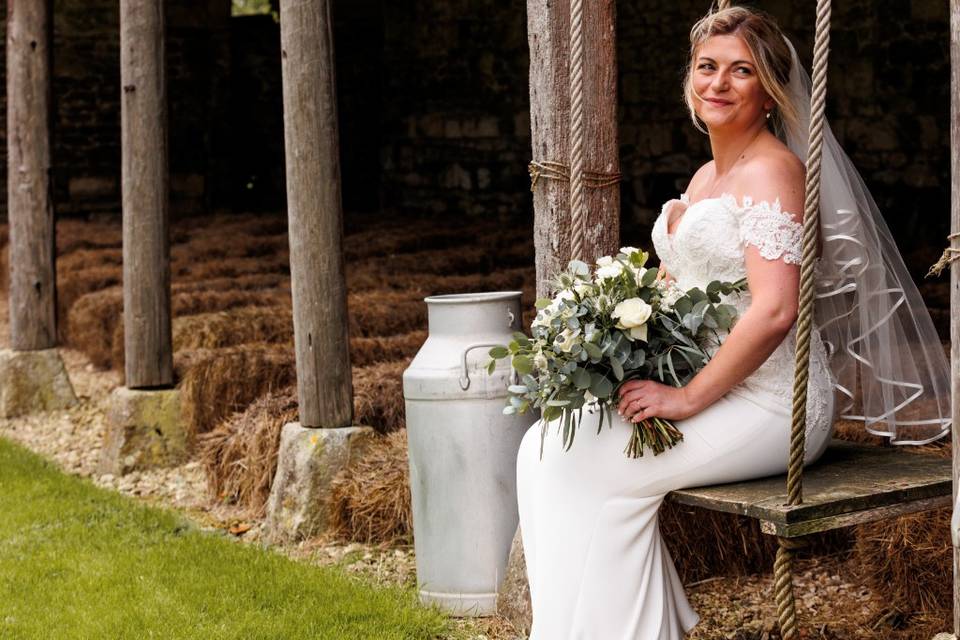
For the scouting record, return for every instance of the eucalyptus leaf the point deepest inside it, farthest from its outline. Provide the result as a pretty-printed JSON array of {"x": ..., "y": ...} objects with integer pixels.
[
  {"x": 593, "y": 350},
  {"x": 581, "y": 378},
  {"x": 616, "y": 367},
  {"x": 600, "y": 386},
  {"x": 683, "y": 306},
  {"x": 498, "y": 352},
  {"x": 523, "y": 364}
]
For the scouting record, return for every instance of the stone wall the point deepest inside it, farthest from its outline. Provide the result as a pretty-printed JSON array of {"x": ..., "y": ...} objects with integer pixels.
[
  {"x": 433, "y": 101},
  {"x": 86, "y": 118}
]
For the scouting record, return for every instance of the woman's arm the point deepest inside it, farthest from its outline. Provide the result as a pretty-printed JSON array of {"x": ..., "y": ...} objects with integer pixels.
[{"x": 773, "y": 286}]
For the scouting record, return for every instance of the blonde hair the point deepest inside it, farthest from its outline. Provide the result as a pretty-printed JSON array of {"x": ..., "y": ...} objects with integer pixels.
[{"x": 770, "y": 52}]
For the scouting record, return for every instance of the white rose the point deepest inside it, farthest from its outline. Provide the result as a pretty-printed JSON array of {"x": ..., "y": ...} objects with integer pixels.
[
  {"x": 629, "y": 251},
  {"x": 568, "y": 338},
  {"x": 608, "y": 270},
  {"x": 633, "y": 315}
]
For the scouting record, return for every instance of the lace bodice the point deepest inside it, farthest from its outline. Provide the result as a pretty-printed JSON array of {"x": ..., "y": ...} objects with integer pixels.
[{"x": 708, "y": 244}]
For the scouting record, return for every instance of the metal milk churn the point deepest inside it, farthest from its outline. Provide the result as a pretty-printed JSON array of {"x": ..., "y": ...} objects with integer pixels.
[{"x": 463, "y": 451}]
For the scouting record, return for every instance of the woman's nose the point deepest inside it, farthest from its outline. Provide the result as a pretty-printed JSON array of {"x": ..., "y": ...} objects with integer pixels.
[{"x": 720, "y": 81}]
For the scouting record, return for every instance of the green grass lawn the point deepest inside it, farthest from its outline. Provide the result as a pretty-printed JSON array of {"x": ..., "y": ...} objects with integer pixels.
[{"x": 77, "y": 561}]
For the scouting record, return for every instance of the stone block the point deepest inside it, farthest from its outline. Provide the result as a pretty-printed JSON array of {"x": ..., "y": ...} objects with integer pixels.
[
  {"x": 308, "y": 461},
  {"x": 145, "y": 430},
  {"x": 33, "y": 381},
  {"x": 513, "y": 598}
]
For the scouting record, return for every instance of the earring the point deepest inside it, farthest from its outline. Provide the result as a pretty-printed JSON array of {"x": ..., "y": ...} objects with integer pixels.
[{"x": 768, "y": 115}]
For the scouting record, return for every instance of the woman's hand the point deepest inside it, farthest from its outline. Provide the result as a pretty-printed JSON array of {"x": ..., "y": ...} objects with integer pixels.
[{"x": 643, "y": 399}]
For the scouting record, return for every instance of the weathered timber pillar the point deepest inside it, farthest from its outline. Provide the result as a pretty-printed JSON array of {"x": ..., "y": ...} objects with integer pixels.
[
  {"x": 32, "y": 276},
  {"x": 549, "y": 35},
  {"x": 146, "y": 252},
  {"x": 32, "y": 375},
  {"x": 548, "y": 28},
  {"x": 955, "y": 280},
  {"x": 310, "y": 457},
  {"x": 144, "y": 424},
  {"x": 315, "y": 214}
]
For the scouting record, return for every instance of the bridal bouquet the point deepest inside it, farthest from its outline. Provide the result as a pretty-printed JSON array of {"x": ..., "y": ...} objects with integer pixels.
[{"x": 619, "y": 323}]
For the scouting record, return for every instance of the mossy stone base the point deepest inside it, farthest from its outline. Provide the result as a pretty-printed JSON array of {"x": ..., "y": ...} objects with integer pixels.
[
  {"x": 32, "y": 381},
  {"x": 145, "y": 430},
  {"x": 308, "y": 461}
]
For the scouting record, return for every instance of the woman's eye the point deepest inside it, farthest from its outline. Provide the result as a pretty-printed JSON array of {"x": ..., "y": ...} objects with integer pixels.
[
  {"x": 743, "y": 70},
  {"x": 705, "y": 65}
]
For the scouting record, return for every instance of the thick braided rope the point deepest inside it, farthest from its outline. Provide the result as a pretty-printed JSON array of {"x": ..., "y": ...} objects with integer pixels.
[
  {"x": 783, "y": 573},
  {"x": 783, "y": 586},
  {"x": 811, "y": 223},
  {"x": 577, "y": 213}
]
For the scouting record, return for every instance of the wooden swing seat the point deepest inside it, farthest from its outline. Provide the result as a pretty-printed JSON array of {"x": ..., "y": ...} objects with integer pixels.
[{"x": 850, "y": 484}]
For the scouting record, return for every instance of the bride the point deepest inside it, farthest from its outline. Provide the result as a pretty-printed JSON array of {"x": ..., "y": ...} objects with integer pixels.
[{"x": 597, "y": 566}]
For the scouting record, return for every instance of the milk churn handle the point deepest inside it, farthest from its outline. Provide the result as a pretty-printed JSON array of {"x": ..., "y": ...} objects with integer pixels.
[{"x": 465, "y": 375}]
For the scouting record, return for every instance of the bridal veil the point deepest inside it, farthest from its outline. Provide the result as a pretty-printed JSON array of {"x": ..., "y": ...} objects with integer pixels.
[{"x": 889, "y": 367}]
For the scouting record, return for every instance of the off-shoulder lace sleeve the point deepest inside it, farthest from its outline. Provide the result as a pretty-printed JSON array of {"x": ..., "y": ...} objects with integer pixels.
[{"x": 773, "y": 231}]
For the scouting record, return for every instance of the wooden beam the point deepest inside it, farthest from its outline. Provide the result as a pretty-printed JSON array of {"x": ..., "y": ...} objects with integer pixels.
[
  {"x": 548, "y": 28},
  {"x": 145, "y": 179},
  {"x": 29, "y": 201},
  {"x": 955, "y": 278},
  {"x": 315, "y": 213}
]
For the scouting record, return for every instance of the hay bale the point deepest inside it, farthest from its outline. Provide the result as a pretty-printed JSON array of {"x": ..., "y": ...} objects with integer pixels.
[
  {"x": 197, "y": 302},
  {"x": 274, "y": 325},
  {"x": 249, "y": 282},
  {"x": 228, "y": 380},
  {"x": 370, "y": 500},
  {"x": 368, "y": 351},
  {"x": 74, "y": 235},
  {"x": 707, "y": 543},
  {"x": 73, "y": 285},
  {"x": 208, "y": 248},
  {"x": 82, "y": 259},
  {"x": 378, "y": 395},
  {"x": 91, "y": 323},
  {"x": 240, "y": 455},
  {"x": 231, "y": 267},
  {"x": 270, "y": 325},
  {"x": 231, "y": 224},
  {"x": 908, "y": 562},
  {"x": 385, "y": 313}
]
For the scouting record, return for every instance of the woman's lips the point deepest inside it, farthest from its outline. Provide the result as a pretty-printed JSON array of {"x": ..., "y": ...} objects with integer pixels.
[{"x": 718, "y": 103}]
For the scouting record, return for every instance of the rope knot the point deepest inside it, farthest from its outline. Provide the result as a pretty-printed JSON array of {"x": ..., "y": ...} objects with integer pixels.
[{"x": 949, "y": 256}]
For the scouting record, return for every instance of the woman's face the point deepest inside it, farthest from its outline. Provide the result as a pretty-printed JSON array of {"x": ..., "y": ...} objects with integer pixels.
[{"x": 727, "y": 89}]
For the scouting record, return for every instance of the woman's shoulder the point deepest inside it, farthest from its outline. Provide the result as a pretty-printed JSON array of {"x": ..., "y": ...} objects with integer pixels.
[{"x": 774, "y": 176}]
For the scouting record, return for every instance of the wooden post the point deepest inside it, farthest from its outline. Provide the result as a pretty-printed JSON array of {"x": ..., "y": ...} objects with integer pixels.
[
  {"x": 955, "y": 279},
  {"x": 29, "y": 202},
  {"x": 314, "y": 209},
  {"x": 146, "y": 244},
  {"x": 146, "y": 248},
  {"x": 548, "y": 28}
]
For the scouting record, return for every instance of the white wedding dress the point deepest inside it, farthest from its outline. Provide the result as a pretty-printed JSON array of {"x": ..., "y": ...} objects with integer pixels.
[{"x": 597, "y": 566}]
